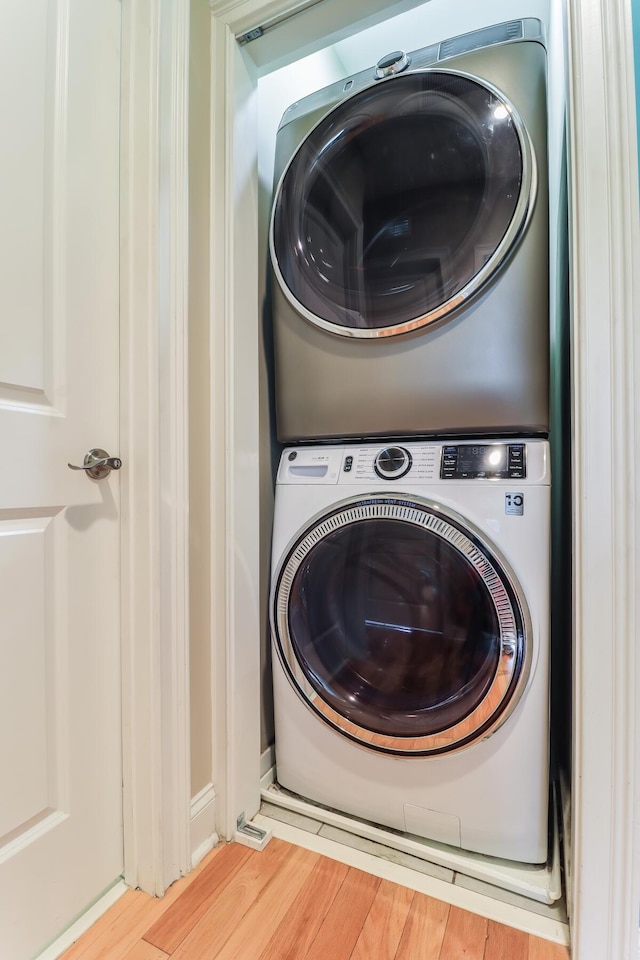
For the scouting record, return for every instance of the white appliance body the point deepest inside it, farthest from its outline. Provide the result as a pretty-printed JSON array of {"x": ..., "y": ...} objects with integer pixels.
[
  {"x": 393, "y": 740},
  {"x": 409, "y": 247}
]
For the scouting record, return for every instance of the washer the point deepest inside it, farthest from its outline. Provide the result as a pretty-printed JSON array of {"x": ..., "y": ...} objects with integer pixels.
[
  {"x": 410, "y": 626},
  {"x": 409, "y": 246}
]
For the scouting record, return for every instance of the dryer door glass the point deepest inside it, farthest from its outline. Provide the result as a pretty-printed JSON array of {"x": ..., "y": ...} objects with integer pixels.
[
  {"x": 401, "y": 632},
  {"x": 401, "y": 203}
]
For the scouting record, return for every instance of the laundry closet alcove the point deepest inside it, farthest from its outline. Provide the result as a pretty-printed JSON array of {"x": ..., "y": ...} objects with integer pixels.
[{"x": 604, "y": 242}]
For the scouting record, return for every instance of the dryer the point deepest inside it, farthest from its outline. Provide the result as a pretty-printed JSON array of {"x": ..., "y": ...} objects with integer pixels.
[
  {"x": 409, "y": 246},
  {"x": 410, "y": 626}
]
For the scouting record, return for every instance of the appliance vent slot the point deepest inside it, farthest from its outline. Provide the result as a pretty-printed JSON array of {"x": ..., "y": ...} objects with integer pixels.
[{"x": 502, "y": 33}]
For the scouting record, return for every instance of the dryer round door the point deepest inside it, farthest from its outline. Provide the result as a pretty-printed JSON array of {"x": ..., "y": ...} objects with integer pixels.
[
  {"x": 401, "y": 203},
  {"x": 401, "y": 626}
]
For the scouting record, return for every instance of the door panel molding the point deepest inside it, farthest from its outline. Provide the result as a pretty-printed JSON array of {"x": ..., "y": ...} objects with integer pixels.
[{"x": 155, "y": 569}]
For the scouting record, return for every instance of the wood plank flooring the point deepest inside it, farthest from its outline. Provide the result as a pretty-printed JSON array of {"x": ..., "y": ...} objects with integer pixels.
[{"x": 288, "y": 903}]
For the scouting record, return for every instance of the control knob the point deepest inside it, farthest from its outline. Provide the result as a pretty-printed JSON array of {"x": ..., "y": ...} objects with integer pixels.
[
  {"x": 392, "y": 63},
  {"x": 392, "y": 463}
]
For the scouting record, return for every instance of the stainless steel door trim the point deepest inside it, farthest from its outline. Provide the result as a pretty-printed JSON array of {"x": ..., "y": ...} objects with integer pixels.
[
  {"x": 516, "y": 229},
  {"x": 516, "y": 639}
]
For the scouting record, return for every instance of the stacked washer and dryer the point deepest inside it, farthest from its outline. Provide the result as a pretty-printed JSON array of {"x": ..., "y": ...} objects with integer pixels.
[{"x": 410, "y": 561}]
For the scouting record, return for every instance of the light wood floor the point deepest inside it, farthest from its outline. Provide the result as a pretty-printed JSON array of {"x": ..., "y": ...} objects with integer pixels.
[{"x": 288, "y": 903}]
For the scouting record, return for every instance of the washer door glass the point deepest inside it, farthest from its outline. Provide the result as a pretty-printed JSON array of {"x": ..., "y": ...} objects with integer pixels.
[
  {"x": 399, "y": 629},
  {"x": 401, "y": 203}
]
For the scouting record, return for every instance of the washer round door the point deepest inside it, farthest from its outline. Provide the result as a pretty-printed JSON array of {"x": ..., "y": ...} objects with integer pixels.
[
  {"x": 401, "y": 203},
  {"x": 401, "y": 627}
]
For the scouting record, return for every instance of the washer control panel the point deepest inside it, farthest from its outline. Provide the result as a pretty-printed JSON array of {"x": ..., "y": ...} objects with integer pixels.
[
  {"x": 406, "y": 462},
  {"x": 483, "y": 461}
]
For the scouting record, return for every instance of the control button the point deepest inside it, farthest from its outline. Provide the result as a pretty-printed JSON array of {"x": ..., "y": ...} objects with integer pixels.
[
  {"x": 292, "y": 455},
  {"x": 516, "y": 464},
  {"x": 348, "y": 463},
  {"x": 449, "y": 463}
]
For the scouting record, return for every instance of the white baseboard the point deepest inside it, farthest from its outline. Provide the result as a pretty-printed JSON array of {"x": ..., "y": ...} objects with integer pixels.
[
  {"x": 203, "y": 834},
  {"x": 82, "y": 924}
]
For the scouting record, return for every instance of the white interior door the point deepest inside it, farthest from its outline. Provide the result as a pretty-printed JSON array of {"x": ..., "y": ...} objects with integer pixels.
[{"x": 60, "y": 753}]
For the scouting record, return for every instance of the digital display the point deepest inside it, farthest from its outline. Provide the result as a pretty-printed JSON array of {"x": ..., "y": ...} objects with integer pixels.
[
  {"x": 489, "y": 458},
  {"x": 484, "y": 461}
]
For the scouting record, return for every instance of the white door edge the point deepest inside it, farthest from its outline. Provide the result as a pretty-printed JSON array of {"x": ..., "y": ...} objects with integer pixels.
[
  {"x": 154, "y": 360},
  {"x": 606, "y": 373}
]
